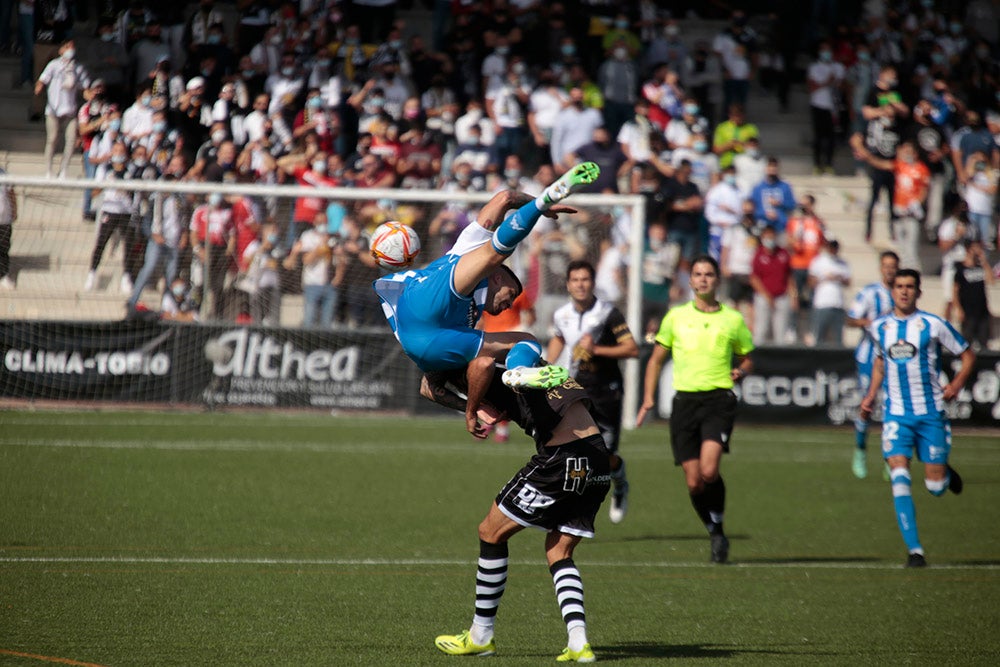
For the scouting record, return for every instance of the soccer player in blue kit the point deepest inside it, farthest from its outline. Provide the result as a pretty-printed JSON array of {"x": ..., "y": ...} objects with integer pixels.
[
  {"x": 433, "y": 311},
  {"x": 871, "y": 302},
  {"x": 908, "y": 346}
]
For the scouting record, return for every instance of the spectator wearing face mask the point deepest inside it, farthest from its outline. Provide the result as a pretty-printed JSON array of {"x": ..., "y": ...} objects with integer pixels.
[
  {"x": 261, "y": 277},
  {"x": 168, "y": 234},
  {"x": 137, "y": 119},
  {"x": 177, "y": 303},
  {"x": 621, "y": 33},
  {"x": 825, "y": 79},
  {"x": 723, "y": 209},
  {"x": 105, "y": 59},
  {"x": 704, "y": 163},
  {"x": 731, "y": 136},
  {"x": 494, "y": 66},
  {"x": 980, "y": 197},
  {"x": 574, "y": 126},
  {"x": 117, "y": 209},
  {"x": 806, "y": 234},
  {"x": 829, "y": 274},
  {"x": 308, "y": 170},
  {"x": 63, "y": 79},
  {"x": 933, "y": 150},
  {"x": 198, "y": 26},
  {"x": 680, "y": 130},
  {"x": 148, "y": 51},
  {"x": 883, "y": 112},
  {"x": 208, "y": 151},
  {"x": 751, "y": 166},
  {"x": 505, "y": 105},
  {"x": 773, "y": 198},
  {"x": 909, "y": 201},
  {"x": 609, "y": 157},
  {"x": 213, "y": 243},
  {"x": 284, "y": 85},
  {"x": 618, "y": 78},
  {"x": 315, "y": 118},
  {"x": 774, "y": 291}
]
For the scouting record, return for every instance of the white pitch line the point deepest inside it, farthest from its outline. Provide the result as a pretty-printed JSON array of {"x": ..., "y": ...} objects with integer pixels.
[{"x": 431, "y": 562}]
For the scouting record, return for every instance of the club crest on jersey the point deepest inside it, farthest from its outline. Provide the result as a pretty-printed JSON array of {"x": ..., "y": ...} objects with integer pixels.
[{"x": 902, "y": 350}]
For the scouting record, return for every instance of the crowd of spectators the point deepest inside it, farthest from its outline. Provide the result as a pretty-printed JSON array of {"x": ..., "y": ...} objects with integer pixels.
[{"x": 510, "y": 94}]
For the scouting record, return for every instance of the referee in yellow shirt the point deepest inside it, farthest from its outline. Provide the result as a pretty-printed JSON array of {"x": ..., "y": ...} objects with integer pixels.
[{"x": 710, "y": 344}]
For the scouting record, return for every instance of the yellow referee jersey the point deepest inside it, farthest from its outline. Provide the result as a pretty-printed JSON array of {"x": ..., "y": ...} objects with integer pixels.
[{"x": 703, "y": 344}]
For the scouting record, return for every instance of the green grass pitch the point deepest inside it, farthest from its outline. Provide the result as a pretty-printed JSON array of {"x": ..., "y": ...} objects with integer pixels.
[{"x": 245, "y": 539}]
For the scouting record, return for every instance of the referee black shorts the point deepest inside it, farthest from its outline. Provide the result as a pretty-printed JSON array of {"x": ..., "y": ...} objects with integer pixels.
[{"x": 698, "y": 416}]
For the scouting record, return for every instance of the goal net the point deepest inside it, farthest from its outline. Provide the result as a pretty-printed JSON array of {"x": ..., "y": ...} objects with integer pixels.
[{"x": 124, "y": 309}]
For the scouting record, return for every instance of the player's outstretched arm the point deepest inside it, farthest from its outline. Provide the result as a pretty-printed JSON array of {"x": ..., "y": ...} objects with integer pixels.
[{"x": 653, "y": 368}]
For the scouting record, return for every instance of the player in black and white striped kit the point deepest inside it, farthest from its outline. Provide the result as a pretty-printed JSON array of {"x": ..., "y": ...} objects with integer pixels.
[
  {"x": 589, "y": 336},
  {"x": 559, "y": 490}
]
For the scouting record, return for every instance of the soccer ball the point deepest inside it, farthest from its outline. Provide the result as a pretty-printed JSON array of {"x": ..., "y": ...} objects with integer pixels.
[{"x": 395, "y": 245}]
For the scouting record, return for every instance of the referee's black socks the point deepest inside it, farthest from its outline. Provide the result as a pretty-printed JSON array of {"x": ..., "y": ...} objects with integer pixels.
[{"x": 710, "y": 504}]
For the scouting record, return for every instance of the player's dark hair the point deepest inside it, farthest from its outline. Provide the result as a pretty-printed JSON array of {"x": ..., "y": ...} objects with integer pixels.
[
  {"x": 578, "y": 264},
  {"x": 513, "y": 276},
  {"x": 908, "y": 273},
  {"x": 706, "y": 259},
  {"x": 888, "y": 253}
]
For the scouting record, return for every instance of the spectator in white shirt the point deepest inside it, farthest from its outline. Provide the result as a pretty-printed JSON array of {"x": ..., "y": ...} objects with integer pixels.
[
  {"x": 64, "y": 80},
  {"x": 137, "y": 120},
  {"x": 751, "y": 166},
  {"x": 544, "y": 105},
  {"x": 723, "y": 209},
  {"x": 828, "y": 276},
  {"x": 474, "y": 116},
  {"x": 495, "y": 64},
  {"x": 739, "y": 244},
  {"x": 574, "y": 127},
  {"x": 634, "y": 137},
  {"x": 825, "y": 80}
]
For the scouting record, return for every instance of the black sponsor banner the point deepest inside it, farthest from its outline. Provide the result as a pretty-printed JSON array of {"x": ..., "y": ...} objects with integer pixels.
[
  {"x": 217, "y": 365},
  {"x": 206, "y": 364},
  {"x": 69, "y": 361},
  {"x": 819, "y": 386},
  {"x": 297, "y": 368}
]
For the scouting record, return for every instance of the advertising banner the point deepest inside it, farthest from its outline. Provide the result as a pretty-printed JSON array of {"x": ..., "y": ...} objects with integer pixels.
[
  {"x": 819, "y": 386},
  {"x": 220, "y": 366},
  {"x": 204, "y": 364}
]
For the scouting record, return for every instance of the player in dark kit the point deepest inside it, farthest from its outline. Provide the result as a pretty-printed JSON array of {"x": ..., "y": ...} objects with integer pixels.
[
  {"x": 589, "y": 336},
  {"x": 560, "y": 490}
]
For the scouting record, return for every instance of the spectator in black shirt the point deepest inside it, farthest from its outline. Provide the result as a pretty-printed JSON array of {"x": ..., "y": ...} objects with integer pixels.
[
  {"x": 973, "y": 277},
  {"x": 684, "y": 211},
  {"x": 608, "y": 155},
  {"x": 884, "y": 112},
  {"x": 933, "y": 151}
]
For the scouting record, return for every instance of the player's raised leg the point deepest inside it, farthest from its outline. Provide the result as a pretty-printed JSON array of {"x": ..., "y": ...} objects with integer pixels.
[{"x": 516, "y": 227}]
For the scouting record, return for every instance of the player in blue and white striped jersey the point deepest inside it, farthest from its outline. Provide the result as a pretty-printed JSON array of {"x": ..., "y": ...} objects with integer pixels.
[
  {"x": 871, "y": 302},
  {"x": 908, "y": 347}
]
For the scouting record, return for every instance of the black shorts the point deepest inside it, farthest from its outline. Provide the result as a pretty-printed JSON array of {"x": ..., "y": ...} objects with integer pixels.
[
  {"x": 698, "y": 416},
  {"x": 560, "y": 489},
  {"x": 740, "y": 289}
]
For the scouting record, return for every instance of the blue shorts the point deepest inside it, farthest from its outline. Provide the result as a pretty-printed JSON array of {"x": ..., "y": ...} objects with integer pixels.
[
  {"x": 929, "y": 434},
  {"x": 432, "y": 323},
  {"x": 442, "y": 349}
]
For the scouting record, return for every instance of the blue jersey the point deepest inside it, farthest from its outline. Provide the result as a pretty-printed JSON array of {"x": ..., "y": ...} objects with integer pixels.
[
  {"x": 433, "y": 323},
  {"x": 870, "y": 303},
  {"x": 911, "y": 347}
]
